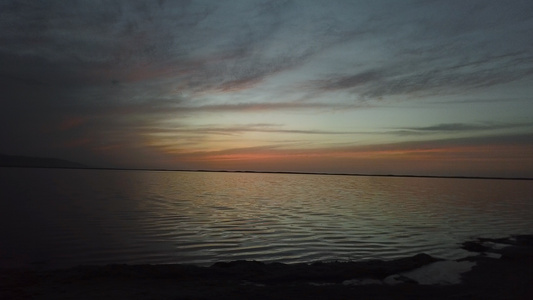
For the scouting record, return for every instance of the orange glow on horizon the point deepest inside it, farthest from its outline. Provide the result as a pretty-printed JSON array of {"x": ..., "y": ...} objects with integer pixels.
[
  {"x": 463, "y": 159},
  {"x": 458, "y": 152}
]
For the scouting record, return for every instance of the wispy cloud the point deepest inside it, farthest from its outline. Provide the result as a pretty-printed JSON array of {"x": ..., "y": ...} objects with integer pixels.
[
  {"x": 461, "y": 127},
  {"x": 103, "y": 77},
  {"x": 270, "y": 106},
  {"x": 429, "y": 76},
  {"x": 348, "y": 81},
  {"x": 244, "y": 128}
]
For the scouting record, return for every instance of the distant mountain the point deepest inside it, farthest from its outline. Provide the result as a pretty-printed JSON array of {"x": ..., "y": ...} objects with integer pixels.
[{"x": 38, "y": 162}]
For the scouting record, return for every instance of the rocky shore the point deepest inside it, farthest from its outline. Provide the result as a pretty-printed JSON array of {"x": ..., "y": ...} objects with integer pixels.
[{"x": 499, "y": 268}]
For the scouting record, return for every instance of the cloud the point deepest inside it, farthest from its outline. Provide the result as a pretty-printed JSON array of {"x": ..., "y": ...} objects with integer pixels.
[
  {"x": 461, "y": 127},
  {"x": 430, "y": 77},
  {"x": 239, "y": 129},
  {"x": 202, "y": 48},
  {"x": 192, "y": 48},
  {"x": 349, "y": 81},
  {"x": 438, "y": 48},
  {"x": 442, "y": 79},
  {"x": 428, "y": 146},
  {"x": 269, "y": 106},
  {"x": 105, "y": 75}
]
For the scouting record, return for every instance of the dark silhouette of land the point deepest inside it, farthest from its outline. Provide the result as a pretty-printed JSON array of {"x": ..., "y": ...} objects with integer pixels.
[
  {"x": 507, "y": 277},
  {"x": 37, "y": 162}
]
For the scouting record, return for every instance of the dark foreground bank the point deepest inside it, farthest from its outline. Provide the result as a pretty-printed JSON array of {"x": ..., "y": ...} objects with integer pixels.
[{"x": 499, "y": 269}]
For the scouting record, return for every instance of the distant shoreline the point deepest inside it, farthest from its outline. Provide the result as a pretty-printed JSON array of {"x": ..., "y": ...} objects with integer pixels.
[{"x": 273, "y": 172}]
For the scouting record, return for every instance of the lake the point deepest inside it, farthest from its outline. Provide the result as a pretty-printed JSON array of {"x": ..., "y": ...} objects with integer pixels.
[{"x": 60, "y": 218}]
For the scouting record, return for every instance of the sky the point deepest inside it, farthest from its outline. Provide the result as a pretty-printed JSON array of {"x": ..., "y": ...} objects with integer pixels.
[{"x": 369, "y": 87}]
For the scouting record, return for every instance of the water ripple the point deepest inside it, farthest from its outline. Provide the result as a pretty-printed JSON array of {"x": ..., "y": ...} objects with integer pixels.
[{"x": 96, "y": 217}]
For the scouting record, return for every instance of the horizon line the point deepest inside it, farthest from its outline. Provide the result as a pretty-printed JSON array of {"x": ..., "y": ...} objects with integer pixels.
[{"x": 277, "y": 172}]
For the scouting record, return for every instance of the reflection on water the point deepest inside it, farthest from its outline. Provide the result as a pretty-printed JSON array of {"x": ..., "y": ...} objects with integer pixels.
[{"x": 70, "y": 217}]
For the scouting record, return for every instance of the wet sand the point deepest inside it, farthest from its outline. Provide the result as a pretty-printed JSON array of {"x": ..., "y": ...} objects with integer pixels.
[{"x": 498, "y": 269}]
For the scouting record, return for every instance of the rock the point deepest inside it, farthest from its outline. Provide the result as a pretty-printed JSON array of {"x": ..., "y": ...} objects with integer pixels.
[
  {"x": 398, "y": 279},
  {"x": 474, "y": 247},
  {"x": 364, "y": 281},
  {"x": 440, "y": 273},
  {"x": 522, "y": 240}
]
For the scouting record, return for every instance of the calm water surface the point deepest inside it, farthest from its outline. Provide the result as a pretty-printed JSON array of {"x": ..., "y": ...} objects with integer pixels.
[{"x": 61, "y": 218}]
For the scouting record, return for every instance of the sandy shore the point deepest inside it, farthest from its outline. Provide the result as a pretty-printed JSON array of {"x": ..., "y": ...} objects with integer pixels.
[{"x": 498, "y": 269}]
